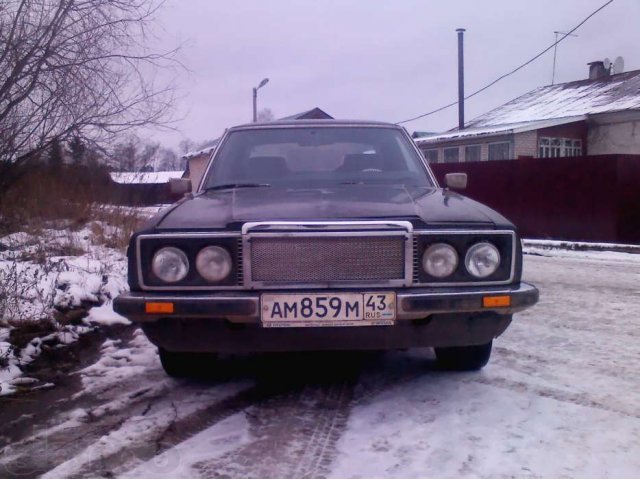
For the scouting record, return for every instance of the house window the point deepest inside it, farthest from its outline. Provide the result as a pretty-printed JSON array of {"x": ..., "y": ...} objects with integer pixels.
[
  {"x": 499, "y": 151},
  {"x": 572, "y": 148},
  {"x": 451, "y": 155},
  {"x": 472, "y": 153},
  {"x": 549, "y": 147},
  {"x": 431, "y": 155}
]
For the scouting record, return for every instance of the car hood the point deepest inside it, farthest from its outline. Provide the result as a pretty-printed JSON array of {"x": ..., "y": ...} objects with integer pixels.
[{"x": 227, "y": 209}]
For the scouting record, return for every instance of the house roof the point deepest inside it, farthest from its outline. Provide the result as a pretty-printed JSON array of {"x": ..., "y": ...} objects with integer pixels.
[
  {"x": 314, "y": 113},
  {"x": 584, "y": 97},
  {"x": 203, "y": 151},
  {"x": 564, "y": 102},
  {"x": 494, "y": 130},
  {"x": 144, "y": 177}
]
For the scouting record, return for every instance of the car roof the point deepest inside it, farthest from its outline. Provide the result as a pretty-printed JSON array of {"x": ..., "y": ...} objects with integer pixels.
[{"x": 315, "y": 123}]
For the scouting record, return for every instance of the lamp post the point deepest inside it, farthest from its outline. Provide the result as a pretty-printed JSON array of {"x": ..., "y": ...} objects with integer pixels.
[{"x": 255, "y": 98}]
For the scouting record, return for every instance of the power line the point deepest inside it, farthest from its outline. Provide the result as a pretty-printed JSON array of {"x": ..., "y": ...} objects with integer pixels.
[{"x": 512, "y": 71}]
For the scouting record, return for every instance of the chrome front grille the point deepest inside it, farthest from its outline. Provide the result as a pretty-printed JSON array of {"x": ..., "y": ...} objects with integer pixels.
[{"x": 328, "y": 259}]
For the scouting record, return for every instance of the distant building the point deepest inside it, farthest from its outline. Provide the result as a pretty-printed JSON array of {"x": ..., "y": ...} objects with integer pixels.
[
  {"x": 313, "y": 114},
  {"x": 142, "y": 188},
  {"x": 600, "y": 115},
  {"x": 197, "y": 161}
]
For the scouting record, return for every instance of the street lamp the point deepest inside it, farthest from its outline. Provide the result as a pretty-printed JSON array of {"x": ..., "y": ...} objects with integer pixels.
[{"x": 255, "y": 98}]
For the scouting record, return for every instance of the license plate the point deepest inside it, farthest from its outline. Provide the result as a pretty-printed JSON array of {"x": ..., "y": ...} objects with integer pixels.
[{"x": 328, "y": 310}]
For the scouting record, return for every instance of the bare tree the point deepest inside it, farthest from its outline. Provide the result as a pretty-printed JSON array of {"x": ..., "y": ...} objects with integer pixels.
[
  {"x": 187, "y": 145},
  {"x": 265, "y": 115},
  {"x": 76, "y": 68},
  {"x": 135, "y": 155}
]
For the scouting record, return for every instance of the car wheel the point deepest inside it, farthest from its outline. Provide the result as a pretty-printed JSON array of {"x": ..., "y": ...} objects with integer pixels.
[
  {"x": 187, "y": 364},
  {"x": 468, "y": 358}
]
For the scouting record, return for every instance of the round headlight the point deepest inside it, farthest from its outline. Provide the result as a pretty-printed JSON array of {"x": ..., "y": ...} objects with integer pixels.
[
  {"x": 440, "y": 260},
  {"x": 170, "y": 264},
  {"x": 213, "y": 263},
  {"x": 482, "y": 259}
]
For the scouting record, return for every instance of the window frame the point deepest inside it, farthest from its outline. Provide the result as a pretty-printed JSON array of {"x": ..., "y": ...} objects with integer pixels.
[
  {"x": 475, "y": 145},
  {"x": 554, "y": 147},
  {"x": 435, "y": 151},
  {"x": 505, "y": 142},
  {"x": 450, "y": 149}
]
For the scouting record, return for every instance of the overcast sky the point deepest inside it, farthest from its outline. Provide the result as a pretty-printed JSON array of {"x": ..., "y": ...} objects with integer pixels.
[{"x": 377, "y": 59}]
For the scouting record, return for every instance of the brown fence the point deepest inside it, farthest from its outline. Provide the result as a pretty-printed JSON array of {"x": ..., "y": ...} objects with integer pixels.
[{"x": 590, "y": 198}]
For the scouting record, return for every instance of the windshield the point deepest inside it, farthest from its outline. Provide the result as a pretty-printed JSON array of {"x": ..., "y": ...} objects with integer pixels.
[{"x": 325, "y": 156}]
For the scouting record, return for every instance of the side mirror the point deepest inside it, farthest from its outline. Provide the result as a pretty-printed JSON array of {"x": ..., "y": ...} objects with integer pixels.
[
  {"x": 456, "y": 181},
  {"x": 179, "y": 186}
]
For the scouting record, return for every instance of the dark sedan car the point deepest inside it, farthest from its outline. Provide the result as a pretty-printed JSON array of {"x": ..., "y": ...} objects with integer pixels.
[{"x": 324, "y": 235}]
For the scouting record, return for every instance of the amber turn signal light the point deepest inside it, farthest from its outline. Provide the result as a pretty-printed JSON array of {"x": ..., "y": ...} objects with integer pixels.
[
  {"x": 497, "y": 301},
  {"x": 158, "y": 307}
]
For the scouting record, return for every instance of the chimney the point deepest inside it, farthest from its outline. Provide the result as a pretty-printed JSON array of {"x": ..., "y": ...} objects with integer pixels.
[{"x": 597, "y": 70}]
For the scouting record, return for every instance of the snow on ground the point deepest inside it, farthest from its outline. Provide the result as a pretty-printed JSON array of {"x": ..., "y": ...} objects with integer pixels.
[
  {"x": 558, "y": 398},
  {"x": 135, "y": 366},
  {"x": 182, "y": 460},
  {"x": 55, "y": 270}
]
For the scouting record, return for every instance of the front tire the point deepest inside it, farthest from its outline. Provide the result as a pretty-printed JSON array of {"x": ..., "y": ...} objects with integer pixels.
[
  {"x": 187, "y": 364},
  {"x": 464, "y": 359}
]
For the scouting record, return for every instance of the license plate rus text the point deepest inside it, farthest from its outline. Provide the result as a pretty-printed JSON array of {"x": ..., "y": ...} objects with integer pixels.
[{"x": 328, "y": 310}]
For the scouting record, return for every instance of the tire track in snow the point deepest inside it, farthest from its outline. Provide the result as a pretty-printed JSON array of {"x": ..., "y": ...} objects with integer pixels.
[
  {"x": 580, "y": 399},
  {"x": 294, "y": 428}
]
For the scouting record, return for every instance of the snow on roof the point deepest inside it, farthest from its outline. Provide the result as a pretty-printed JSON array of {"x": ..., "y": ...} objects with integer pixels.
[
  {"x": 204, "y": 151},
  {"x": 488, "y": 131},
  {"x": 584, "y": 97},
  {"x": 144, "y": 177},
  {"x": 564, "y": 102}
]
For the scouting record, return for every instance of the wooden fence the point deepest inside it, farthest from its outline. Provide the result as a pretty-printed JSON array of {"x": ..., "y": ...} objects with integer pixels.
[{"x": 588, "y": 198}]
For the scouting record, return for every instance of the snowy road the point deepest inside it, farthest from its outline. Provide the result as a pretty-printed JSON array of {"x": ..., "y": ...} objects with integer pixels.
[{"x": 560, "y": 398}]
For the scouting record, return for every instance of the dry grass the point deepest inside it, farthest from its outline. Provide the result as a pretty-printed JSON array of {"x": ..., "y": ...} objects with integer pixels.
[
  {"x": 46, "y": 195},
  {"x": 53, "y": 209},
  {"x": 114, "y": 225},
  {"x": 24, "y": 331}
]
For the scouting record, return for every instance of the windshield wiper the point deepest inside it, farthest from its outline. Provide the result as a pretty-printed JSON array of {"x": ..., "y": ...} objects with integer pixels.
[{"x": 236, "y": 185}]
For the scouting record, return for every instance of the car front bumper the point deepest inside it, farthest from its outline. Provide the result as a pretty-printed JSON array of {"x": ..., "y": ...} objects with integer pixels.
[
  {"x": 230, "y": 322},
  {"x": 244, "y": 307}
]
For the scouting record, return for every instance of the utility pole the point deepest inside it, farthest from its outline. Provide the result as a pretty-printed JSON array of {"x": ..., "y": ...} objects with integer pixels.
[{"x": 460, "y": 78}]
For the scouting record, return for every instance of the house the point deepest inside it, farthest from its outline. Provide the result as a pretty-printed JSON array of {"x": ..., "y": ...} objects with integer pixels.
[
  {"x": 596, "y": 116},
  {"x": 142, "y": 188},
  {"x": 197, "y": 161},
  {"x": 313, "y": 114}
]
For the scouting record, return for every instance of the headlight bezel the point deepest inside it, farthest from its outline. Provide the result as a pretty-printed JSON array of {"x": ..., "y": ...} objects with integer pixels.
[
  {"x": 506, "y": 241},
  {"x": 147, "y": 244}
]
